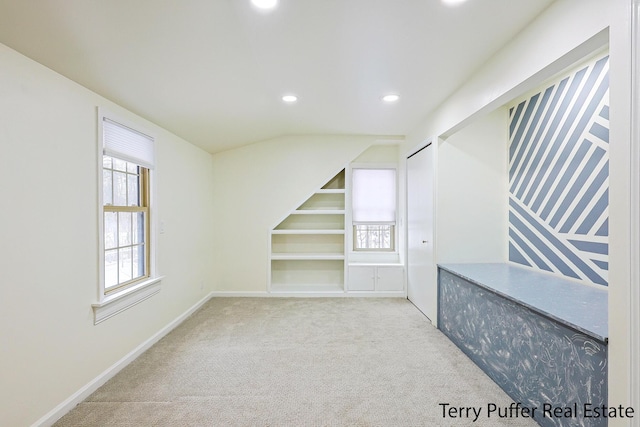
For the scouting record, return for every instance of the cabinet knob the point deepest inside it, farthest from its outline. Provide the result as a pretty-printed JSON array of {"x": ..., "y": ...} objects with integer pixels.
[{"x": 425, "y": 241}]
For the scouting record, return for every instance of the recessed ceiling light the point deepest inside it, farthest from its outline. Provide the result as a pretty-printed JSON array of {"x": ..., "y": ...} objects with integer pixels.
[
  {"x": 453, "y": 2},
  {"x": 390, "y": 98},
  {"x": 289, "y": 99},
  {"x": 265, "y": 4}
]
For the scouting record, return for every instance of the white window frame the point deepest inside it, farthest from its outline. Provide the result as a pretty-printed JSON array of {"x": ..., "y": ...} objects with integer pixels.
[
  {"x": 395, "y": 231},
  {"x": 114, "y": 302}
]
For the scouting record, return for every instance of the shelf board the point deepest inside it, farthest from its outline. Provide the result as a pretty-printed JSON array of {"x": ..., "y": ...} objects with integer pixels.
[
  {"x": 330, "y": 191},
  {"x": 318, "y": 212},
  {"x": 307, "y": 256},
  {"x": 307, "y": 231},
  {"x": 318, "y": 288}
]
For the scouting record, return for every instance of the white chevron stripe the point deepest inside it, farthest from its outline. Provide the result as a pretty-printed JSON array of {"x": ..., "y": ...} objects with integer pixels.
[
  {"x": 590, "y": 207},
  {"x": 556, "y": 156},
  {"x": 551, "y": 247},
  {"x": 518, "y": 123},
  {"x": 601, "y": 121},
  {"x": 531, "y": 147},
  {"x": 589, "y": 137},
  {"x": 520, "y": 146},
  {"x": 599, "y": 223},
  {"x": 547, "y": 150},
  {"x": 531, "y": 246},
  {"x": 565, "y": 192},
  {"x": 567, "y": 188},
  {"x": 592, "y": 256},
  {"x": 536, "y": 147},
  {"x": 590, "y": 238},
  {"x": 580, "y": 195},
  {"x": 523, "y": 253}
]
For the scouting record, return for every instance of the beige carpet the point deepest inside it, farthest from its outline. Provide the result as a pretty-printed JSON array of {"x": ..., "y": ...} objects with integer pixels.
[{"x": 296, "y": 362}]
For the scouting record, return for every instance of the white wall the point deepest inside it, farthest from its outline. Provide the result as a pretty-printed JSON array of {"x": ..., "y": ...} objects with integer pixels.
[
  {"x": 471, "y": 196},
  {"x": 256, "y": 187},
  {"x": 563, "y": 34},
  {"x": 386, "y": 153},
  {"x": 49, "y": 346}
]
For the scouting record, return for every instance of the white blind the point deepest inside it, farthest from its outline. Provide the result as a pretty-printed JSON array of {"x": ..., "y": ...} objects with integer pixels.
[
  {"x": 374, "y": 195},
  {"x": 127, "y": 144}
]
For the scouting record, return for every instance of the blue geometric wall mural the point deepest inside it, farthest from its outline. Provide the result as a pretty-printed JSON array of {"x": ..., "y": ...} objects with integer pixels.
[{"x": 559, "y": 176}]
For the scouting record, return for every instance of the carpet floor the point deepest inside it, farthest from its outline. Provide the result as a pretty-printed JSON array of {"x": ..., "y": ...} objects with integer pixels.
[{"x": 297, "y": 362}]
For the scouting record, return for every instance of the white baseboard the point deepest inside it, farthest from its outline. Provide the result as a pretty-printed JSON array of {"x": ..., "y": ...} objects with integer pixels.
[
  {"x": 59, "y": 411},
  {"x": 249, "y": 294},
  {"x": 308, "y": 294}
]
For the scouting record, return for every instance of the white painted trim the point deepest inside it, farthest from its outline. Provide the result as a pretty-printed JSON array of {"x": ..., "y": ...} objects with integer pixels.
[
  {"x": 119, "y": 302},
  {"x": 234, "y": 294},
  {"x": 269, "y": 258},
  {"x": 339, "y": 294},
  {"x": 634, "y": 291},
  {"x": 348, "y": 226},
  {"x": 347, "y": 242},
  {"x": 303, "y": 294},
  {"x": 59, "y": 411},
  {"x": 154, "y": 275}
]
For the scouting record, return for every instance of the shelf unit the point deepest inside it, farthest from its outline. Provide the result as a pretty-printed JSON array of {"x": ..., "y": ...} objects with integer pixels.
[{"x": 308, "y": 246}]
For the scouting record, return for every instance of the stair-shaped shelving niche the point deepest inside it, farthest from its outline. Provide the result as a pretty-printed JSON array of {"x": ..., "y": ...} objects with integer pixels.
[{"x": 308, "y": 247}]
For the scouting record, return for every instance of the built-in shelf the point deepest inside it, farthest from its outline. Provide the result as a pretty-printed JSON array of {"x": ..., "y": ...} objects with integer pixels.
[
  {"x": 317, "y": 288},
  {"x": 308, "y": 246},
  {"x": 307, "y": 232},
  {"x": 331, "y": 191},
  {"x": 308, "y": 256},
  {"x": 318, "y": 212},
  {"x": 332, "y": 221}
]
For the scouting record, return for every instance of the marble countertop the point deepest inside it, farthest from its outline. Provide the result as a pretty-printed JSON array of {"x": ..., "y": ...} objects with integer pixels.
[{"x": 580, "y": 306}]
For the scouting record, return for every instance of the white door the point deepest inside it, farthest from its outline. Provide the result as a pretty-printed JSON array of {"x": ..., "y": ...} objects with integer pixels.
[{"x": 421, "y": 270}]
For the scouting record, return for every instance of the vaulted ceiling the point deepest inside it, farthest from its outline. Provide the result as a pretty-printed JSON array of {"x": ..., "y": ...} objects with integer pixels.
[{"x": 214, "y": 71}]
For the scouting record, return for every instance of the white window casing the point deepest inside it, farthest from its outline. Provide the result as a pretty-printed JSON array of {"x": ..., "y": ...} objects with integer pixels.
[{"x": 123, "y": 140}]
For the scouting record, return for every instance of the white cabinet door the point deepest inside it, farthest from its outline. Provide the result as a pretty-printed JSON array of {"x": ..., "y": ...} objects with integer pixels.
[
  {"x": 362, "y": 278},
  {"x": 390, "y": 279}
]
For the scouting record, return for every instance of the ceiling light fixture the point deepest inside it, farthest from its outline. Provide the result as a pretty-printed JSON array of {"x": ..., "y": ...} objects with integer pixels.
[
  {"x": 289, "y": 99},
  {"x": 453, "y": 2},
  {"x": 265, "y": 4},
  {"x": 390, "y": 98}
]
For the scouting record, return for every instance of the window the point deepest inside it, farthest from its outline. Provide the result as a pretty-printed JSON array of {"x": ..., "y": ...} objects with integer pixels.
[
  {"x": 374, "y": 209},
  {"x": 126, "y": 244},
  {"x": 125, "y": 188}
]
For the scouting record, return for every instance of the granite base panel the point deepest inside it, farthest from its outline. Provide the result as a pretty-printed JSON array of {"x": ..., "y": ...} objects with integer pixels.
[{"x": 534, "y": 359}]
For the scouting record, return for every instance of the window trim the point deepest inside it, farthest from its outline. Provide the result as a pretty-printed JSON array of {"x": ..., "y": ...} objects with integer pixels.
[
  {"x": 394, "y": 237},
  {"x": 145, "y": 207},
  {"x": 116, "y": 300}
]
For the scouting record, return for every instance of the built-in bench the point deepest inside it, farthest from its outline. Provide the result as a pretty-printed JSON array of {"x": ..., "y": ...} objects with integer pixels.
[{"x": 542, "y": 338}]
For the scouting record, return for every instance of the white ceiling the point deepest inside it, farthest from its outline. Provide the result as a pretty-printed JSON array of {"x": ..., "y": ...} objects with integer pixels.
[{"x": 214, "y": 71}]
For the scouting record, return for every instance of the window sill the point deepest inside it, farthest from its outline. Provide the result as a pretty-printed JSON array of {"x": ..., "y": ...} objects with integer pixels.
[
  {"x": 120, "y": 301},
  {"x": 372, "y": 257}
]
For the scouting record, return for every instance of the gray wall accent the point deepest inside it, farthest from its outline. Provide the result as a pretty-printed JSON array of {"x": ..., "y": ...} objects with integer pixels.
[{"x": 534, "y": 359}]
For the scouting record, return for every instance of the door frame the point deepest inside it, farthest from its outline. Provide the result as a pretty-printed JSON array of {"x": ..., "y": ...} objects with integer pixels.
[
  {"x": 433, "y": 141},
  {"x": 634, "y": 130}
]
